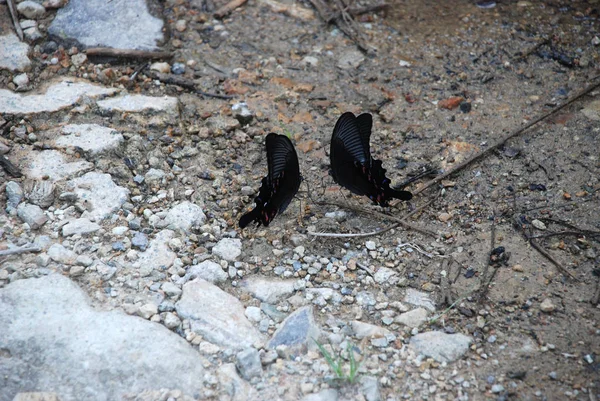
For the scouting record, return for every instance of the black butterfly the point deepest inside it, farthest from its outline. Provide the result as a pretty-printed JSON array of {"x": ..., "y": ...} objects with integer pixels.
[
  {"x": 352, "y": 165},
  {"x": 281, "y": 183}
]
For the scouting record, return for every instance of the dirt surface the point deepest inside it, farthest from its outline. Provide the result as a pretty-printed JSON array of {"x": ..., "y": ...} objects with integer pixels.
[{"x": 298, "y": 76}]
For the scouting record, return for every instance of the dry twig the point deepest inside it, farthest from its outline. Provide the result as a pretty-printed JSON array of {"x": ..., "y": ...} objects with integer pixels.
[
  {"x": 228, "y": 8},
  {"x": 10, "y": 168},
  {"x": 17, "y": 251},
  {"x": 513, "y": 134},
  {"x": 555, "y": 262},
  {"x": 170, "y": 79},
  {"x": 15, "y": 18},
  {"x": 358, "y": 235},
  {"x": 127, "y": 53}
]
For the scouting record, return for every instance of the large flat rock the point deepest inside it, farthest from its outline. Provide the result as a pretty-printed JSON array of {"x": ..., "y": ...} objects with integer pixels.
[
  {"x": 14, "y": 54},
  {"x": 58, "y": 95},
  {"x": 100, "y": 194},
  {"x": 92, "y": 138},
  {"x": 52, "y": 340},
  {"x": 52, "y": 165},
  {"x": 216, "y": 315},
  {"x": 118, "y": 24}
]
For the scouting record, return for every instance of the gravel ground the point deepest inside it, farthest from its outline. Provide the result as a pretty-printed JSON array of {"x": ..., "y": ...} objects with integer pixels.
[{"x": 141, "y": 286}]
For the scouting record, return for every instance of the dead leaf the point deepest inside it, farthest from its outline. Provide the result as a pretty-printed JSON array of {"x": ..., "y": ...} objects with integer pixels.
[
  {"x": 307, "y": 146},
  {"x": 303, "y": 117},
  {"x": 234, "y": 86},
  {"x": 450, "y": 103}
]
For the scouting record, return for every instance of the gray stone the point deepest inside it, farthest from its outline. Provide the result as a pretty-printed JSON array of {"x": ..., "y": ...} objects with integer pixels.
[
  {"x": 366, "y": 330},
  {"x": 121, "y": 25},
  {"x": 419, "y": 298},
  {"x": 266, "y": 290},
  {"x": 386, "y": 276},
  {"x": 84, "y": 354},
  {"x": 242, "y": 113},
  {"x": 228, "y": 249},
  {"x": 154, "y": 175},
  {"x": 591, "y": 110},
  {"x": 148, "y": 310},
  {"x": 207, "y": 270},
  {"x": 171, "y": 289},
  {"x": 31, "y": 9},
  {"x": 413, "y": 318},
  {"x": 296, "y": 332},
  {"x": 350, "y": 60},
  {"x": 32, "y": 33},
  {"x": 140, "y": 241},
  {"x": 329, "y": 394},
  {"x": 158, "y": 255},
  {"x": 32, "y": 215},
  {"x": 14, "y": 195},
  {"x": 100, "y": 194},
  {"x": 53, "y": 165},
  {"x": 21, "y": 80},
  {"x": 171, "y": 320},
  {"x": 14, "y": 58},
  {"x": 185, "y": 216},
  {"x": 253, "y": 314},
  {"x": 79, "y": 226},
  {"x": 369, "y": 386},
  {"x": 58, "y": 95},
  {"x": 441, "y": 346},
  {"x": 92, "y": 138},
  {"x": 234, "y": 387},
  {"x": 60, "y": 254},
  {"x": 79, "y": 59},
  {"x": 140, "y": 104},
  {"x": 39, "y": 192},
  {"x": 248, "y": 363},
  {"x": 216, "y": 315}
]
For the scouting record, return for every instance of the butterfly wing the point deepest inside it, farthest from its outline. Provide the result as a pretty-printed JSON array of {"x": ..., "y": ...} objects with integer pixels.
[
  {"x": 352, "y": 165},
  {"x": 280, "y": 185},
  {"x": 284, "y": 171}
]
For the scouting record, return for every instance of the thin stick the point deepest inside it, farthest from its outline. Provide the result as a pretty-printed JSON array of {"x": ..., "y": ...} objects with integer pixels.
[
  {"x": 516, "y": 132},
  {"x": 17, "y": 251},
  {"x": 139, "y": 69},
  {"x": 354, "y": 235},
  {"x": 399, "y": 221},
  {"x": 127, "y": 53},
  {"x": 488, "y": 282},
  {"x": 575, "y": 233},
  {"x": 363, "y": 10},
  {"x": 170, "y": 79},
  {"x": 551, "y": 259},
  {"x": 15, "y": 18},
  {"x": 228, "y": 8},
  {"x": 363, "y": 267}
]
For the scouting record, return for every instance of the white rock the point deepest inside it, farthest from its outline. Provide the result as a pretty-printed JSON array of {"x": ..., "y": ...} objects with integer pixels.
[
  {"x": 14, "y": 58},
  {"x": 413, "y": 318},
  {"x": 386, "y": 276},
  {"x": 79, "y": 59},
  {"x": 268, "y": 290},
  {"x": 547, "y": 306},
  {"x": 21, "y": 79},
  {"x": 80, "y": 226},
  {"x": 216, "y": 315},
  {"x": 538, "y": 224},
  {"x": 228, "y": 249},
  {"x": 366, "y": 330},
  {"x": 121, "y": 354},
  {"x": 185, "y": 216},
  {"x": 140, "y": 104},
  {"x": 148, "y": 310},
  {"x": 60, "y": 254},
  {"x": 419, "y": 298},
  {"x": 101, "y": 195},
  {"x": 441, "y": 346},
  {"x": 116, "y": 24},
  {"x": 31, "y": 9},
  {"x": 207, "y": 270},
  {"x": 32, "y": 215},
  {"x": 158, "y": 255},
  {"x": 92, "y": 138},
  {"x": 371, "y": 245},
  {"x": 163, "y": 67},
  {"x": 171, "y": 320},
  {"x": 53, "y": 165},
  {"x": 254, "y": 314},
  {"x": 171, "y": 289},
  {"x": 58, "y": 95}
]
